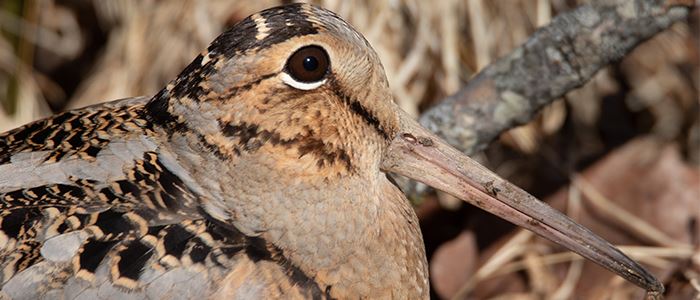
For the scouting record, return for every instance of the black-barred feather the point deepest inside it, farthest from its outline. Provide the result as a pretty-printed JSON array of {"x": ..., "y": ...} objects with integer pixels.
[
  {"x": 118, "y": 217},
  {"x": 147, "y": 197}
]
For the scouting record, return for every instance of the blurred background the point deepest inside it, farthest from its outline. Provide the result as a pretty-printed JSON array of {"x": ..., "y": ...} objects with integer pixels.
[{"x": 620, "y": 154}]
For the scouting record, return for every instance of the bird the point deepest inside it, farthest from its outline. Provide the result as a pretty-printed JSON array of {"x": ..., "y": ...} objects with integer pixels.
[{"x": 260, "y": 171}]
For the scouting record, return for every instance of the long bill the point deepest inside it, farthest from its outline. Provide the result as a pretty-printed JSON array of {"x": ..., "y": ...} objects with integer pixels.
[{"x": 418, "y": 154}]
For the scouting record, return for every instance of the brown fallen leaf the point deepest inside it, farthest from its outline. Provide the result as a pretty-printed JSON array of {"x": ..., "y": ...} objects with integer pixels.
[
  {"x": 642, "y": 194},
  {"x": 453, "y": 263}
]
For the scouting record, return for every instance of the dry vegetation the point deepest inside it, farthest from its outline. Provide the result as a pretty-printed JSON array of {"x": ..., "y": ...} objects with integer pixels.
[{"x": 620, "y": 154}]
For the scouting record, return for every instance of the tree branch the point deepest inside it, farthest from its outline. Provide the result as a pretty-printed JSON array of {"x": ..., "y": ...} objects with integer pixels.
[{"x": 556, "y": 59}]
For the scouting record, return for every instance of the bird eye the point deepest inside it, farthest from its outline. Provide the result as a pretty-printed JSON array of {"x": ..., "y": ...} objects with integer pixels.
[{"x": 308, "y": 64}]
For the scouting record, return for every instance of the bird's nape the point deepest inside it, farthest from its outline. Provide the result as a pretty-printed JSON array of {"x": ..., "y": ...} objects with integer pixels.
[{"x": 418, "y": 154}]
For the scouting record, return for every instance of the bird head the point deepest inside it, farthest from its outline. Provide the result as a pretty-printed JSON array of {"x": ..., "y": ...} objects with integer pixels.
[{"x": 295, "y": 78}]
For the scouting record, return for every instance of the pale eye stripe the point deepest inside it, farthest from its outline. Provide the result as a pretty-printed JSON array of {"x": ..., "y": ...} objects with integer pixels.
[{"x": 306, "y": 86}]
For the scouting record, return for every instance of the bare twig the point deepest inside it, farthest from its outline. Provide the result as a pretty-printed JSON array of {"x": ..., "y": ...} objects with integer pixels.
[
  {"x": 632, "y": 224},
  {"x": 508, "y": 252},
  {"x": 556, "y": 59}
]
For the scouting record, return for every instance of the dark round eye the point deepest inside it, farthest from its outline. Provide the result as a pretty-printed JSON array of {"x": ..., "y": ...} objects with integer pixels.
[{"x": 308, "y": 64}]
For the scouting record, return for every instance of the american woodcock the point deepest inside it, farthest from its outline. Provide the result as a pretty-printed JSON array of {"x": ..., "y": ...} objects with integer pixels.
[{"x": 258, "y": 172}]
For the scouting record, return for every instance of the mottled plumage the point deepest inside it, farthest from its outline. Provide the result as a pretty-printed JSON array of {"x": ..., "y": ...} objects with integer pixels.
[
  {"x": 173, "y": 196},
  {"x": 257, "y": 173}
]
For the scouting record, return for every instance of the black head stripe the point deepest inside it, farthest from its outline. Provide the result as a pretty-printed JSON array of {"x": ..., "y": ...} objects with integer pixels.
[{"x": 281, "y": 23}]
